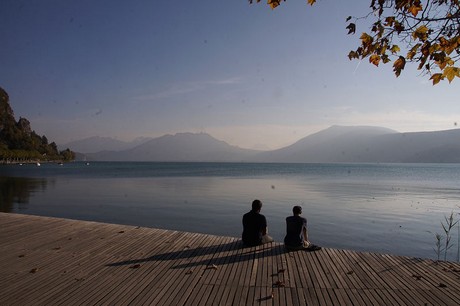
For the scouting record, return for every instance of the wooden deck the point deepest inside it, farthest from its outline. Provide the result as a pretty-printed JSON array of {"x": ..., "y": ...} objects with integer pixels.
[{"x": 50, "y": 261}]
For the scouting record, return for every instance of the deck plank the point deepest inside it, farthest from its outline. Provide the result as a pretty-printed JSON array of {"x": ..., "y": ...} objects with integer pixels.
[{"x": 67, "y": 262}]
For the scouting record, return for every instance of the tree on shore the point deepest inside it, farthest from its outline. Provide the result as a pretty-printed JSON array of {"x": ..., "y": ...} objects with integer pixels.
[
  {"x": 19, "y": 143},
  {"x": 426, "y": 33}
]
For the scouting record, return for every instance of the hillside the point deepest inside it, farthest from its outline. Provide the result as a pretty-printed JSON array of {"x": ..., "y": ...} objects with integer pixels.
[
  {"x": 18, "y": 142},
  {"x": 335, "y": 144},
  {"x": 359, "y": 144}
]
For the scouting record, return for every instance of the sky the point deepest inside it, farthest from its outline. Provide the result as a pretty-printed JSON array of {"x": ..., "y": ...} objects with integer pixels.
[{"x": 246, "y": 74}]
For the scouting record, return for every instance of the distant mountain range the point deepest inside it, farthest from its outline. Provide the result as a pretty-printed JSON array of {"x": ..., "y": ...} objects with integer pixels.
[
  {"x": 96, "y": 144},
  {"x": 178, "y": 147},
  {"x": 337, "y": 144}
]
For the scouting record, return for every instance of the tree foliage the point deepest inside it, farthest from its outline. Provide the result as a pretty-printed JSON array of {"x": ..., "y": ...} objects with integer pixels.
[
  {"x": 19, "y": 143},
  {"x": 426, "y": 33}
]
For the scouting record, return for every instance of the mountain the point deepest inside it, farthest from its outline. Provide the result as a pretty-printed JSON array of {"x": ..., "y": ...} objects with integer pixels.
[
  {"x": 178, "y": 147},
  {"x": 369, "y": 144},
  {"x": 337, "y": 144},
  {"x": 418, "y": 147},
  {"x": 97, "y": 144}
]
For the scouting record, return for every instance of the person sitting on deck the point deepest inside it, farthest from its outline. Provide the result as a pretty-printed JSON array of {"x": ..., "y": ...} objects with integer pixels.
[
  {"x": 296, "y": 232},
  {"x": 255, "y": 226}
]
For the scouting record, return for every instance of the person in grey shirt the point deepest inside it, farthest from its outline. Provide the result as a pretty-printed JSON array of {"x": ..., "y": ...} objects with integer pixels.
[{"x": 296, "y": 232}]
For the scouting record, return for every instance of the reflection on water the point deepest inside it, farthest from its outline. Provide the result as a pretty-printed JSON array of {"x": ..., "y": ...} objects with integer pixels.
[{"x": 18, "y": 190}]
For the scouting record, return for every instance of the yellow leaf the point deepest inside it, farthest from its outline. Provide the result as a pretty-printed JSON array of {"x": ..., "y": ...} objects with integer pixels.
[
  {"x": 366, "y": 39},
  {"x": 449, "y": 46},
  {"x": 395, "y": 49},
  {"x": 421, "y": 33},
  {"x": 415, "y": 8},
  {"x": 442, "y": 60},
  {"x": 374, "y": 59},
  {"x": 451, "y": 72},
  {"x": 273, "y": 3},
  {"x": 436, "y": 78}
]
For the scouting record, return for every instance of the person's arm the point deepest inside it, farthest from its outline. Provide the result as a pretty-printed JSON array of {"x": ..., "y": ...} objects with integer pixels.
[
  {"x": 306, "y": 242},
  {"x": 264, "y": 226},
  {"x": 265, "y": 231},
  {"x": 305, "y": 234}
]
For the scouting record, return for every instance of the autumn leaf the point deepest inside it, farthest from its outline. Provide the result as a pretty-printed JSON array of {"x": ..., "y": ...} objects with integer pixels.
[
  {"x": 351, "y": 28},
  {"x": 395, "y": 49},
  {"x": 374, "y": 59},
  {"x": 413, "y": 51},
  {"x": 389, "y": 21},
  {"x": 274, "y": 3},
  {"x": 415, "y": 8},
  {"x": 385, "y": 59},
  {"x": 421, "y": 33},
  {"x": 398, "y": 27},
  {"x": 398, "y": 65},
  {"x": 436, "y": 78},
  {"x": 352, "y": 55},
  {"x": 448, "y": 46},
  {"x": 311, "y": 2},
  {"x": 451, "y": 72},
  {"x": 366, "y": 39}
]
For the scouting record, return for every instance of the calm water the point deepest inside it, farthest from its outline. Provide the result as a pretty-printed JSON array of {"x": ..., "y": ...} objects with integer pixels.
[{"x": 389, "y": 208}]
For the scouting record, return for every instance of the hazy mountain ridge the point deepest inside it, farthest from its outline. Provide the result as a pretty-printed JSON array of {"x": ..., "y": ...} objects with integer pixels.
[
  {"x": 179, "y": 147},
  {"x": 97, "y": 144},
  {"x": 337, "y": 144}
]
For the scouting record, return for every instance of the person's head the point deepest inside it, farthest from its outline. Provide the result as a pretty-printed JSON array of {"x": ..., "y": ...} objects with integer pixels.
[
  {"x": 297, "y": 210},
  {"x": 256, "y": 205}
]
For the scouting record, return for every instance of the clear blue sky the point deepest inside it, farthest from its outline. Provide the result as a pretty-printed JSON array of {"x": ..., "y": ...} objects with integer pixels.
[{"x": 246, "y": 74}]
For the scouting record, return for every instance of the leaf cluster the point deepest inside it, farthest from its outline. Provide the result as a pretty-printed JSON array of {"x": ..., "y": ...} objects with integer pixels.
[
  {"x": 429, "y": 30},
  {"x": 275, "y": 3},
  {"x": 424, "y": 32}
]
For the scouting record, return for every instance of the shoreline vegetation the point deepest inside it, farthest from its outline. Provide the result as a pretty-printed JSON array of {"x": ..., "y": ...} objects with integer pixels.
[
  {"x": 32, "y": 157},
  {"x": 31, "y": 162},
  {"x": 20, "y": 144}
]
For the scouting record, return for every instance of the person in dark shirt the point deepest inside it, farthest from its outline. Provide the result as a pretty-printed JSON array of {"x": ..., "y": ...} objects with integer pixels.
[
  {"x": 296, "y": 232},
  {"x": 255, "y": 226}
]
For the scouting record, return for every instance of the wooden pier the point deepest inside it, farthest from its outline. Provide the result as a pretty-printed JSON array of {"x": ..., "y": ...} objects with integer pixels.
[{"x": 50, "y": 261}]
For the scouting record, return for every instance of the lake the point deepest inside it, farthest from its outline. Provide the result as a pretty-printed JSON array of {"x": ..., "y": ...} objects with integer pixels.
[{"x": 386, "y": 208}]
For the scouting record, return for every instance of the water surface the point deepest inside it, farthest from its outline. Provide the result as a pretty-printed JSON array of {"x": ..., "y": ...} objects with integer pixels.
[{"x": 388, "y": 208}]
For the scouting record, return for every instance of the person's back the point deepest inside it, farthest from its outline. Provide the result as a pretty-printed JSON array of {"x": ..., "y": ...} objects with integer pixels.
[
  {"x": 255, "y": 226},
  {"x": 294, "y": 231}
]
